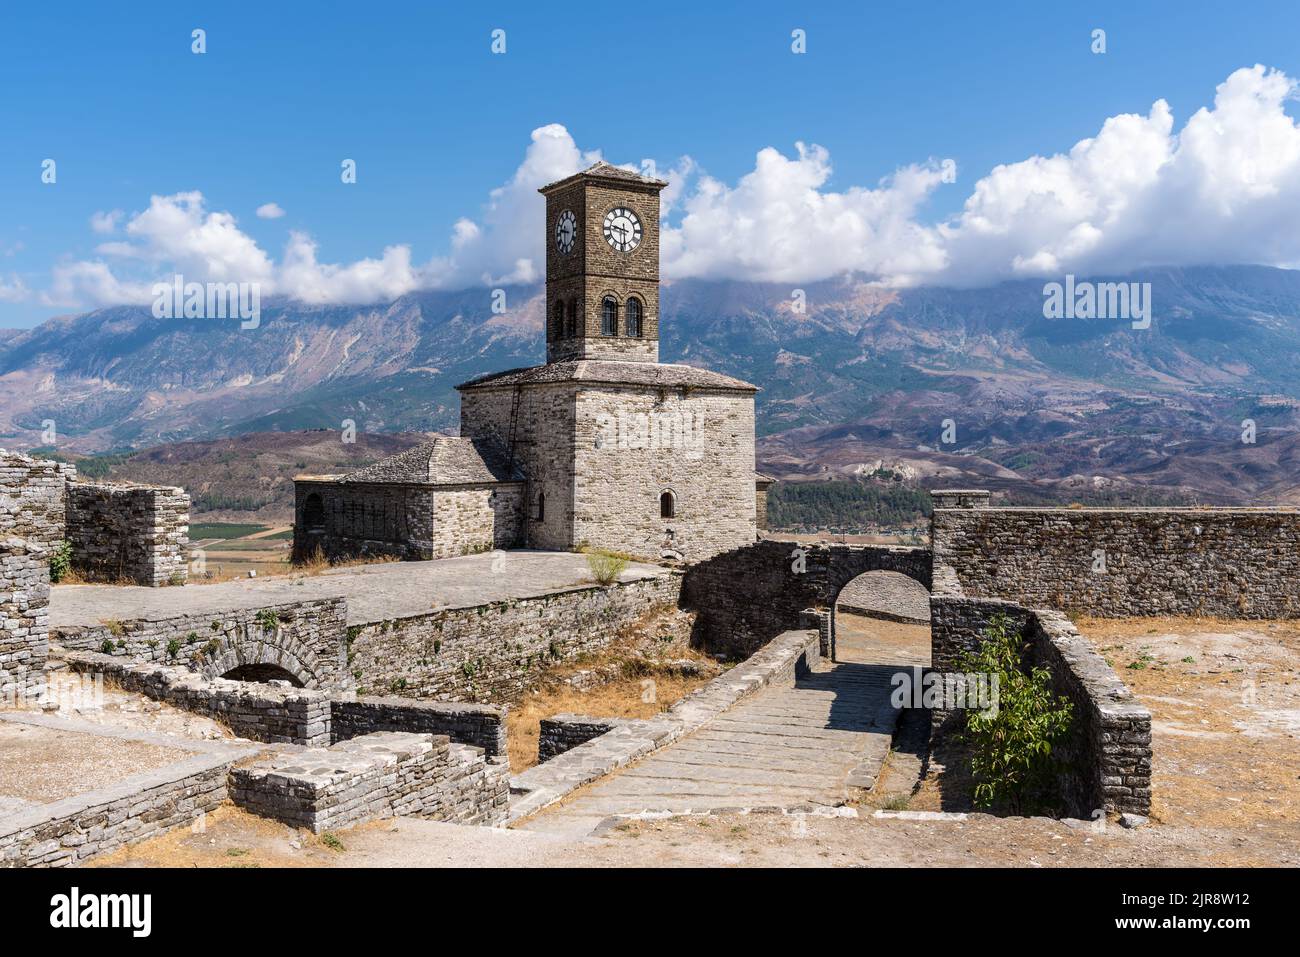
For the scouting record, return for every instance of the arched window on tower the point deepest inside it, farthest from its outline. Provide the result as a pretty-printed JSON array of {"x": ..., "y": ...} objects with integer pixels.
[
  {"x": 633, "y": 321},
  {"x": 667, "y": 504},
  {"x": 541, "y": 506},
  {"x": 573, "y": 318},
  {"x": 557, "y": 320},
  {"x": 609, "y": 316}
]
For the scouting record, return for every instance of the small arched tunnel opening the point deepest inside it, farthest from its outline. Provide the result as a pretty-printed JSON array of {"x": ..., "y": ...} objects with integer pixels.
[
  {"x": 882, "y": 618},
  {"x": 263, "y": 673}
]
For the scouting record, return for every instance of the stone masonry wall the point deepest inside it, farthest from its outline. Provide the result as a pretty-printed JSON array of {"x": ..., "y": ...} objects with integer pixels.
[
  {"x": 1109, "y": 757},
  {"x": 259, "y": 712},
  {"x": 386, "y": 774},
  {"x": 74, "y": 829},
  {"x": 417, "y": 522},
  {"x": 478, "y": 725},
  {"x": 633, "y": 444},
  {"x": 1235, "y": 563},
  {"x": 746, "y": 597},
  {"x": 24, "y": 602},
  {"x": 307, "y": 639},
  {"x": 136, "y": 533},
  {"x": 489, "y": 652},
  {"x": 32, "y": 497},
  {"x": 564, "y": 732}
]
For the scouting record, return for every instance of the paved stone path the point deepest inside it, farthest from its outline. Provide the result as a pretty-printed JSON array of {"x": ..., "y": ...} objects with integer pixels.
[
  {"x": 374, "y": 592},
  {"x": 782, "y": 747}
]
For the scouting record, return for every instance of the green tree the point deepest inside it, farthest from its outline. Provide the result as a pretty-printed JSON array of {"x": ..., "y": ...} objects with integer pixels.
[{"x": 1015, "y": 746}]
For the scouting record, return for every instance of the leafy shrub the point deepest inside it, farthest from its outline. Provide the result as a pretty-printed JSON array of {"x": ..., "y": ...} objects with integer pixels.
[
  {"x": 1014, "y": 754},
  {"x": 606, "y": 566},
  {"x": 60, "y": 561}
]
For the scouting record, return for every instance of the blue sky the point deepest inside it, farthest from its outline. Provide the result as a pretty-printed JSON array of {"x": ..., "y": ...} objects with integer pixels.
[{"x": 435, "y": 121}]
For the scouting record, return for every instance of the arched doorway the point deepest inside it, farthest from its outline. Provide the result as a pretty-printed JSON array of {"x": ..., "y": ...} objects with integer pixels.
[
  {"x": 882, "y": 617},
  {"x": 263, "y": 673}
]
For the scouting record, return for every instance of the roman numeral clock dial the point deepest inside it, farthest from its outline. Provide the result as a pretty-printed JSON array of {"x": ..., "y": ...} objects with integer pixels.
[{"x": 622, "y": 229}]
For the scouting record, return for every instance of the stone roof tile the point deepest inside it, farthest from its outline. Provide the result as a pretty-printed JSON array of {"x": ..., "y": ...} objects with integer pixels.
[{"x": 442, "y": 461}]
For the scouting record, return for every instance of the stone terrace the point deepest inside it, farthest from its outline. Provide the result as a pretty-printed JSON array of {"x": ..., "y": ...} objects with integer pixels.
[{"x": 373, "y": 592}]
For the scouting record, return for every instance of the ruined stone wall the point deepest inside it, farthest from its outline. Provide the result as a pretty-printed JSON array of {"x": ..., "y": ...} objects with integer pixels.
[
  {"x": 409, "y": 521},
  {"x": 386, "y": 774},
  {"x": 490, "y": 652},
  {"x": 479, "y": 725},
  {"x": 308, "y": 639},
  {"x": 24, "y": 622},
  {"x": 133, "y": 533},
  {"x": 259, "y": 712},
  {"x": 748, "y": 596},
  {"x": 1235, "y": 563},
  {"x": 72, "y": 830},
  {"x": 564, "y": 732},
  {"x": 634, "y": 444},
  {"x": 32, "y": 498}
]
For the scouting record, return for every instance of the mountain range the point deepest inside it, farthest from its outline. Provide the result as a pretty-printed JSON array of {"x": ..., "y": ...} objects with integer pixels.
[{"x": 935, "y": 386}]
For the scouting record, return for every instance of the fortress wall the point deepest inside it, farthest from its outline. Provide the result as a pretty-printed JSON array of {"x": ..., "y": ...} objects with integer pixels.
[
  {"x": 24, "y": 603},
  {"x": 489, "y": 652},
  {"x": 1234, "y": 563},
  {"x": 137, "y": 533},
  {"x": 32, "y": 498}
]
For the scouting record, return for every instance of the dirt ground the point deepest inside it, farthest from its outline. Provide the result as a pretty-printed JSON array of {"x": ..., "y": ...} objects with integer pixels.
[{"x": 643, "y": 672}]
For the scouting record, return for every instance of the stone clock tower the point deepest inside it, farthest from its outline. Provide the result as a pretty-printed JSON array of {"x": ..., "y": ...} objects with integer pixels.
[
  {"x": 601, "y": 446},
  {"x": 602, "y": 266}
]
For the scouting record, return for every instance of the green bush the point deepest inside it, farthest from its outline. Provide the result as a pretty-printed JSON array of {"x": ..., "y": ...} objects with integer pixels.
[
  {"x": 606, "y": 566},
  {"x": 60, "y": 561},
  {"x": 1014, "y": 748}
]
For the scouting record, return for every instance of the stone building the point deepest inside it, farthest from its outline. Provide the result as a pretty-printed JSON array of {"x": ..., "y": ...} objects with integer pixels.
[{"x": 603, "y": 445}]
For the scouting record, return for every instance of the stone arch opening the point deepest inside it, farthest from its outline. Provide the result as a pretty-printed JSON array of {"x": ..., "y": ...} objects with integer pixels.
[
  {"x": 667, "y": 504},
  {"x": 263, "y": 672},
  {"x": 881, "y": 616},
  {"x": 313, "y": 513}
]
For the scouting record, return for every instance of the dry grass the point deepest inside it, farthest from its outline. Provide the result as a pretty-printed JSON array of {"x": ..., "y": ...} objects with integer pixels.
[
  {"x": 635, "y": 676},
  {"x": 606, "y": 566}
]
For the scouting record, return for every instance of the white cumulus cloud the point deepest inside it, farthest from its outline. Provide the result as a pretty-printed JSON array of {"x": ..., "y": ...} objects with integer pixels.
[
  {"x": 1225, "y": 188},
  {"x": 269, "y": 211}
]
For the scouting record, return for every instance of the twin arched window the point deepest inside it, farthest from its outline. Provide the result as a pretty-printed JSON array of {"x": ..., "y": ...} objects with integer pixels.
[{"x": 609, "y": 317}]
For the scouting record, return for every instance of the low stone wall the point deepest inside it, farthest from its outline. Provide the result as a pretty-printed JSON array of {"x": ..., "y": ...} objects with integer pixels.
[
  {"x": 482, "y": 726},
  {"x": 1227, "y": 562},
  {"x": 32, "y": 503},
  {"x": 386, "y": 774},
  {"x": 491, "y": 652},
  {"x": 746, "y": 597},
  {"x": 1108, "y": 759},
  {"x": 306, "y": 639},
  {"x": 259, "y": 712},
  {"x": 24, "y": 601},
  {"x": 564, "y": 732},
  {"x": 777, "y": 664},
  {"x": 134, "y": 533}
]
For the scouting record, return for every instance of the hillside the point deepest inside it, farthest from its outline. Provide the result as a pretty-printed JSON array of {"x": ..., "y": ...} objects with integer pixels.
[{"x": 863, "y": 379}]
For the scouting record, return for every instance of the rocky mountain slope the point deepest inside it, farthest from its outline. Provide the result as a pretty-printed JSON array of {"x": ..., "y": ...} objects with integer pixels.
[{"x": 858, "y": 380}]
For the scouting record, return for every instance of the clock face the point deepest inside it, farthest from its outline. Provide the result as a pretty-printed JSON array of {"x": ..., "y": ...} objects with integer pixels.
[
  {"x": 622, "y": 229},
  {"x": 566, "y": 229}
]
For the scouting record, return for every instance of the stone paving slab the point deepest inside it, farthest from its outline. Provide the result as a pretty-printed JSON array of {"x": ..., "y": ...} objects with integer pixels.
[{"x": 373, "y": 592}]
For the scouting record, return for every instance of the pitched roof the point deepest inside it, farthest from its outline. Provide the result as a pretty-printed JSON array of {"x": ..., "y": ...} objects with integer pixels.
[
  {"x": 662, "y": 374},
  {"x": 603, "y": 170},
  {"x": 442, "y": 461}
]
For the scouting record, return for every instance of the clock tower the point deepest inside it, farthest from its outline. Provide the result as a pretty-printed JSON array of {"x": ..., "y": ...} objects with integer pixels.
[{"x": 602, "y": 266}]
